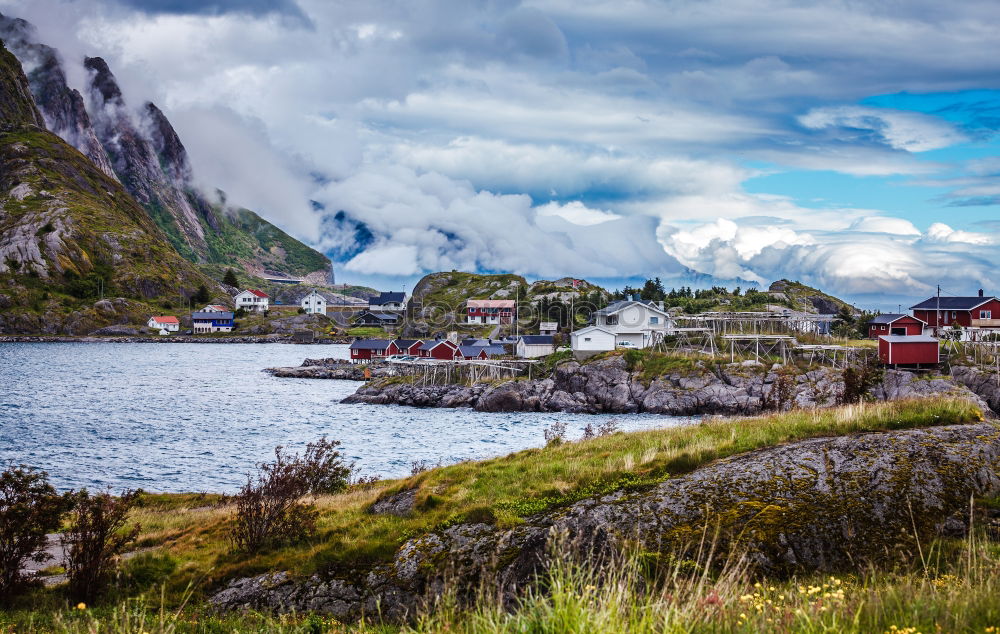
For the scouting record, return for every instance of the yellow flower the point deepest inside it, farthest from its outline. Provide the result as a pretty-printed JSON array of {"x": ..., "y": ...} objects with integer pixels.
[{"x": 81, "y": 606}]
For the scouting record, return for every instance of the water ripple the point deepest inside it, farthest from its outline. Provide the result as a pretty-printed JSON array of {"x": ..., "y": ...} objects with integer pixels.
[{"x": 197, "y": 417}]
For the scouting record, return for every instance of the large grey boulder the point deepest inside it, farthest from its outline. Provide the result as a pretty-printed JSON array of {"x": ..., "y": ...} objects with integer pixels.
[{"x": 820, "y": 504}]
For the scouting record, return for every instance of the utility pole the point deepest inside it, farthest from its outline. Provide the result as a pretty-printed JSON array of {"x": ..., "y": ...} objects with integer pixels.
[{"x": 937, "y": 317}]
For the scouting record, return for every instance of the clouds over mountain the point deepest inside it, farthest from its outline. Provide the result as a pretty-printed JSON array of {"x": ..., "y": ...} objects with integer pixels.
[{"x": 552, "y": 137}]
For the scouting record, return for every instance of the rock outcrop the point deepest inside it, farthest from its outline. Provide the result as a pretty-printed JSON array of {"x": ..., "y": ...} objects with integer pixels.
[
  {"x": 821, "y": 504},
  {"x": 332, "y": 369},
  {"x": 608, "y": 386}
]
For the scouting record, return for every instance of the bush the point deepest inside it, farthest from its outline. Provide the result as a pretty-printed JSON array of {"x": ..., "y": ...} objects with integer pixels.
[
  {"x": 269, "y": 507},
  {"x": 30, "y": 508},
  {"x": 859, "y": 380},
  {"x": 95, "y": 540},
  {"x": 201, "y": 296}
]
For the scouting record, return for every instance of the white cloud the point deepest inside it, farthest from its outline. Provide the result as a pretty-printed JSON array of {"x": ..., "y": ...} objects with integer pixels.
[
  {"x": 940, "y": 232},
  {"x": 900, "y": 129},
  {"x": 577, "y": 213}
]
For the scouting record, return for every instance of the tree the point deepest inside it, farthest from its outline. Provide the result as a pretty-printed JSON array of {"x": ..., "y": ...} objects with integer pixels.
[
  {"x": 30, "y": 508},
  {"x": 201, "y": 296},
  {"x": 230, "y": 279}
]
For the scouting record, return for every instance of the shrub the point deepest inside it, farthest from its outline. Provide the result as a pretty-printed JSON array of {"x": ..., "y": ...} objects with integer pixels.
[
  {"x": 269, "y": 507},
  {"x": 555, "y": 433},
  {"x": 30, "y": 508},
  {"x": 95, "y": 540},
  {"x": 240, "y": 312},
  {"x": 860, "y": 379}
]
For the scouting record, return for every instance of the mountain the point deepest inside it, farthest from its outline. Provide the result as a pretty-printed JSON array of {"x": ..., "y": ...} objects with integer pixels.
[
  {"x": 142, "y": 150},
  {"x": 69, "y": 233}
]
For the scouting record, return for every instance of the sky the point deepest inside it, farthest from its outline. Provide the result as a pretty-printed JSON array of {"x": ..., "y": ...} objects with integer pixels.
[{"x": 849, "y": 145}]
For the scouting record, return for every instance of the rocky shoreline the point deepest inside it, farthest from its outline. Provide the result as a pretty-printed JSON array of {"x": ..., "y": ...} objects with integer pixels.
[
  {"x": 608, "y": 386},
  {"x": 821, "y": 504},
  {"x": 333, "y": 369}
]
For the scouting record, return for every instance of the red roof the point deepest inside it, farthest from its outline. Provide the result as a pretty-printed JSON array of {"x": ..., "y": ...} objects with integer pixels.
[
  {"x": 256, "y": 292},
  {"x": 166, "y": 320}
]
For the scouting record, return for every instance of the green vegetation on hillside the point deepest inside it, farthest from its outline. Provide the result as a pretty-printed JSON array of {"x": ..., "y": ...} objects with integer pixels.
[
  {"x": 243, "y": 236},
  {"x": 186, "y": 546}
]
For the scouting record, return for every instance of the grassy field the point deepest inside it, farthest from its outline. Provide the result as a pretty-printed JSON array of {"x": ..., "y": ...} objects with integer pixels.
[{"x": 185, "y": 552}]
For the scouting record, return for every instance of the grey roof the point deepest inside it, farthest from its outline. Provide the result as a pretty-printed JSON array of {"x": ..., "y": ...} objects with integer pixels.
[
  {"x": 538, "y": 340},
  {"x": 212, "y": 316},
  {"x": 909, "y": 338},
  {"x": 886, "y": 319},
  {"x": 379, "y": 316},
  {"x": 951, "y": 303},
  {"x": 495, "y": 350},
  {"x": 432, "y": 343},
  {"x": 471, "y": 351},
  {"x": 370, "y": 344},
  {"x": 405, "y": 344},
  {"x": 387, "y": 297},
  {"x": 614, "y": 307}
]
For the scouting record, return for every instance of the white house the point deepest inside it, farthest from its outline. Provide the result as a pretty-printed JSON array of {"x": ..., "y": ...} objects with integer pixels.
[
  {"x": 215, "y": 308},
  {"x": 592, "y": 338},
  {"x": 548, "y": 328},
  {"x": 164, "y": 324},
  {"x": 534, "y": 346},
  {"x": 388, "y": 301},
  {"x": 634, "y": 323},
  {"x": 252, "y": 300},
  {"x": 313, "y": 303}
]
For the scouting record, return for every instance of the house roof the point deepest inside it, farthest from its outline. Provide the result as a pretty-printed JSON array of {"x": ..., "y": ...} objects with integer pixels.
[
  {"x": 211, "y": 316},
  {"x": 370, "y": 344},
  {"x": 219, "y": 308},
  {"x": 889, "y": 318},
  {"x": 254, "y": 291},
  {"x": 406, "y": 344},
  {"x": 430, "y": 345},
  {"x": 592, "y": 328},
  {"x": 379, "y": 316},
  {"x": 952, "y": 303},
  {"x": 490, "y": 303},
  {"x": 537, "y": 340},
  {"x": 388, "y": 297},
  {"x": 471, "y": 351},
  {"x": 166, "y": 320},
  {"x": 620, "y": 305},
  {"x": 311, "y": 293},
  {"x": 494, "y": 350},
  {"x": 909, "y": 338}
]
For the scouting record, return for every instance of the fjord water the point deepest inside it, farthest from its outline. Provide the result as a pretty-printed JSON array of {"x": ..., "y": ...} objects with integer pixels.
[{"x": 196, "y": 417}]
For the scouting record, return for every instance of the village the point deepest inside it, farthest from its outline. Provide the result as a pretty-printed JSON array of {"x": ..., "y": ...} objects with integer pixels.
[{"x": 505, "y": 331}]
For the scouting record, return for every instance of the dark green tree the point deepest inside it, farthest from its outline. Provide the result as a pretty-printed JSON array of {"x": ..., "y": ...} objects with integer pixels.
[
  {"x": 230, "y": 279},
  {"x": 201, "y": 296}
]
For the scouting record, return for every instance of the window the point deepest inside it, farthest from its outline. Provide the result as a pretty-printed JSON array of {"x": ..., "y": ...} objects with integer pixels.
[
  {"x": 586, "y": 338},
  {"x": 654, "y": 320},
  {"x": 986, "y": 314}
]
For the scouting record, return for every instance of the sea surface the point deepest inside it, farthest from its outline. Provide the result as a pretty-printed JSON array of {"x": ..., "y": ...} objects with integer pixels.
[{"x": 198, "y": 417}]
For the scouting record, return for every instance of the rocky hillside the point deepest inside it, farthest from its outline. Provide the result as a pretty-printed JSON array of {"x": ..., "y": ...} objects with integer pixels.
[
  {"x": 141, "y": 149},
  {"x": 812, "y": 504},
  {"x": 808, "y": 299},
  {"x": 70, "y": 233}
]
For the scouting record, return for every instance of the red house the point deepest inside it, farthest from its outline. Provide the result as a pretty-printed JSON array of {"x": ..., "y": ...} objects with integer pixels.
[
  {"x": 913, "y": 350},
  {"x": 470, "y": 353},
  {"x": 367, "y": 350},
  {"x": 406, "y": 346},
  {"x": 490, "y": 311},
  {"x": 441, "y": 349},
  {"x": 967, "y": 312},
  {"x": 895, "y": 325}
]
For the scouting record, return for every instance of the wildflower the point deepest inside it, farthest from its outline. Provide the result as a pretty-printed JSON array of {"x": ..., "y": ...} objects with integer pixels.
[{"x": 81, "y": 606}]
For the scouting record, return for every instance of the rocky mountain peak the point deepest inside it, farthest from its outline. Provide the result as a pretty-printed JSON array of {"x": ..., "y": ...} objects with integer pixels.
[
  {"x": 16, "y": 103},
  {"x": 103, "y": 80},
  {"x": 168, "y": 146}
]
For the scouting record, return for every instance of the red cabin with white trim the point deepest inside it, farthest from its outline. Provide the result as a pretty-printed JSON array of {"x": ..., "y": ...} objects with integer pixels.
[
  {"x": 909, "y": 350},
  {"x": 895, "y": 325}
]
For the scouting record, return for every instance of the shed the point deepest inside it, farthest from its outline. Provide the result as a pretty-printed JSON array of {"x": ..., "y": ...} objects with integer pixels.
[
  {"x": 593, "y": 338},
  {"x": 915, "y": 350},
  {"x": 892, "y": 324},
  {"x": 534, "y": 346}
]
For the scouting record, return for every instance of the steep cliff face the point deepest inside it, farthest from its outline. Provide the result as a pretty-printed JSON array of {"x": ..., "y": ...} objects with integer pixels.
[
  {"x": 62, "y": 108},
  {"x": 69, "y": 233},
  {"x": 141, "y": 149}
]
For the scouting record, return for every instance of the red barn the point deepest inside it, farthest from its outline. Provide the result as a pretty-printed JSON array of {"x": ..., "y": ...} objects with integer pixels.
[
  {"x": 440, "y": 349},
  {"x": 366, "y": 350},
  {"x": 895, "y": 325},
  {"x": 967, "y": 312},
  {"x": 914, "y": 350}
]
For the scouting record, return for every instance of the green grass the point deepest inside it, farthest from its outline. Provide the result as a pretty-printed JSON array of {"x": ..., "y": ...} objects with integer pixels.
[{"x": 372, "y": 332}]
